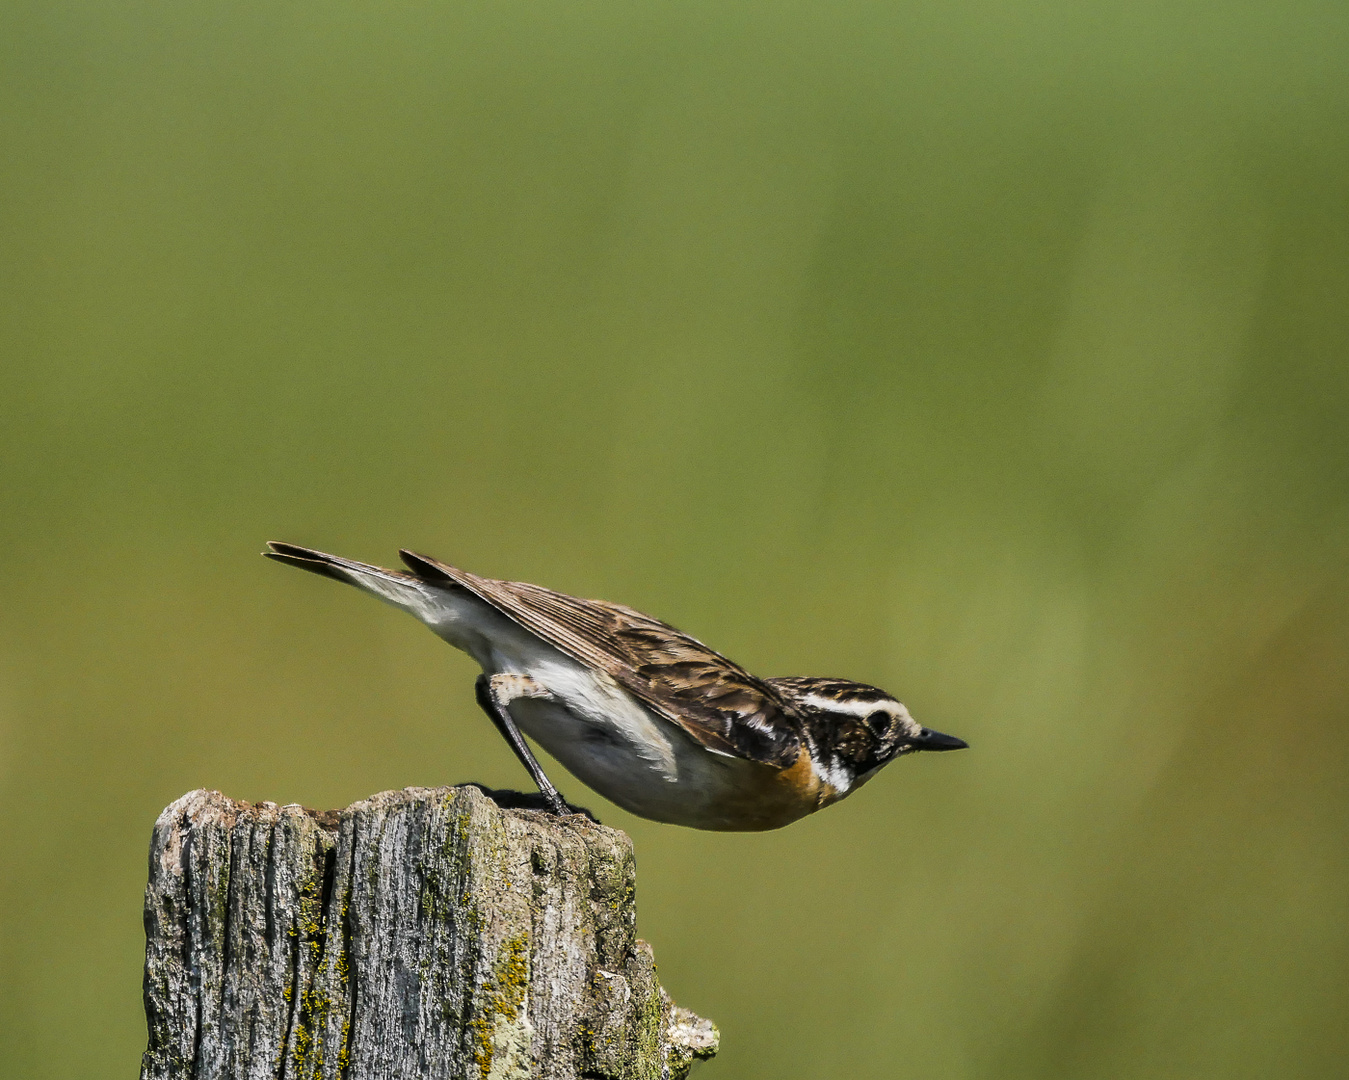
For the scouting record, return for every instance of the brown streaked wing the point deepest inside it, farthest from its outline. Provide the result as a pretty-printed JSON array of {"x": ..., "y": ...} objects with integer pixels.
[{"x": 711, "y": 698}]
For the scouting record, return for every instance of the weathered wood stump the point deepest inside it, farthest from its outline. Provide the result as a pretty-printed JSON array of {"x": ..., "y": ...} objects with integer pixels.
[{"x": 419, "y": 933}]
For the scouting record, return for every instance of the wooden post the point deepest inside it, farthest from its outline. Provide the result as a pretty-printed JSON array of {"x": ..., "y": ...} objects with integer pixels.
[{"x": 428, "y": 932}]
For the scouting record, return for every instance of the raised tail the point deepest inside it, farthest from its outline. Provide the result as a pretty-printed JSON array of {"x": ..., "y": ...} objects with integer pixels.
[{"x": 396, "y": 587}]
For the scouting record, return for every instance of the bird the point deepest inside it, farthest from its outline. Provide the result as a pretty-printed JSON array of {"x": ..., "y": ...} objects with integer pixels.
[{"x": 642, "y": 713}]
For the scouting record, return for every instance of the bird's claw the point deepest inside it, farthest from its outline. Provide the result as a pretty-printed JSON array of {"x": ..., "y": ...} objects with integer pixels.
[
  {"x": 562, "y": 808},
  {"x": 539, "y": 801}
]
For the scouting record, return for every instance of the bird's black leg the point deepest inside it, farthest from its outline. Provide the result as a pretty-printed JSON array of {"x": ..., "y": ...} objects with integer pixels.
[{"x": 504, "y": 724}]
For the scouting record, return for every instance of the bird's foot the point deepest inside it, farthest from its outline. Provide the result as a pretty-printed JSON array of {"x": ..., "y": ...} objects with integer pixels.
[
  {"x": 579, "y": 811},
  {"x": 534, "y": 800},
  {"x": 561, "y": 808}
]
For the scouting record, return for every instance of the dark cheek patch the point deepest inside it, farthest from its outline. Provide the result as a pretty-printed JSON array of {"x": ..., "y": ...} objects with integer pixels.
[{"x": 854, "y": 744}]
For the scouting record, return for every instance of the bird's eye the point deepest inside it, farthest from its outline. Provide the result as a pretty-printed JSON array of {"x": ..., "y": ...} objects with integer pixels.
[{"x": 879, "y": 722}]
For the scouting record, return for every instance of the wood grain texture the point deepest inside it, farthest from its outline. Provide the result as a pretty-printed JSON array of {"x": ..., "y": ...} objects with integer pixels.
[{"x": 419, "y": 933}]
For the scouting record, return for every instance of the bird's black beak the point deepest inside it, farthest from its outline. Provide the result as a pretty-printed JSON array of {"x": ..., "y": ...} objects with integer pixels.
[{"x": 928, "y": 739}]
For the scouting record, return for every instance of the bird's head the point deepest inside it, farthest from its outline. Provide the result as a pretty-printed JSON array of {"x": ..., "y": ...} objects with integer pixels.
[{"x": 854, "y": 729}]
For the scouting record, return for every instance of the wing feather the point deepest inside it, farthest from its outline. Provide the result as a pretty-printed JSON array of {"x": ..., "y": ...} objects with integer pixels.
[{"x": 711, "y": 698}]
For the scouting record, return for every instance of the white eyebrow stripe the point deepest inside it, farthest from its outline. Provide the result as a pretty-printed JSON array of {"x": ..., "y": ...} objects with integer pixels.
[
  {"x": 860, "y": 709},
  {"x": 863, "y": 709}
]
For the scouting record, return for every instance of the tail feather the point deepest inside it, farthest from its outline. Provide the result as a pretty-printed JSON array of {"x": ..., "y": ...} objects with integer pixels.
[
  {"x": 400, "y": 589},
  {"x": 283, "y": 553}
]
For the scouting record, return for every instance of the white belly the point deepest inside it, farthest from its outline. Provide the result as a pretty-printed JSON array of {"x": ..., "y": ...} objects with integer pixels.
[{"x": 683, "y": 784}]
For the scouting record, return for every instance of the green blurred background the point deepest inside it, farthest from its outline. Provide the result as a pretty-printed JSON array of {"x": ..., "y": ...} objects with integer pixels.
[{"x": 992, "y": 353}]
